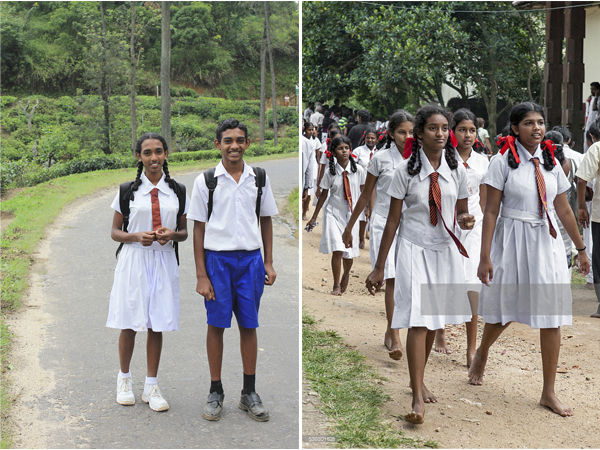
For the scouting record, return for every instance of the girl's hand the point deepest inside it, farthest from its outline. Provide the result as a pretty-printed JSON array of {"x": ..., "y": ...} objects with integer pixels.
[
  {"x": 485, "y": 271},
  {"x": 310, "y": 224},
  {"x": 347, "y": 238},
  {"x": 466, "y": 221},
  {"x": 583, "y": 217},
  {"x": 374, "y": 281},
  {"x": 367, "y": 213},
  {"x": 318, "y": 193},
  {"x": 270, "y": 274},
  {"x": 146, "y": 237},
  {"x": 583, "y": 262},
  {"x": 163, "y": 235},
  {"x": 205, "y": 288}
]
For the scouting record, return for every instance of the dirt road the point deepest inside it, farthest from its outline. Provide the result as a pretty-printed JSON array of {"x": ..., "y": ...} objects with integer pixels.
[{"x": 504, "y": 412}]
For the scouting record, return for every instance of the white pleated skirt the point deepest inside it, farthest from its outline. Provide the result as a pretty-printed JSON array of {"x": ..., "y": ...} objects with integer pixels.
[
  {"x": 471, "y": 240},
  {"x": 531, "y": 282},
  {"x": 145, "y": 291},
  {"x": 377, "y": 224},
  {"x": 429, "y": 290},
  {"x": 331, "y": 237}
]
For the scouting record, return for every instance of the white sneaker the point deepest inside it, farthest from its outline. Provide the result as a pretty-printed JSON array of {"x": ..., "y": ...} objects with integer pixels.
[
  {"x": 154, "y": 398},
  {"x": 125, "y": 391}
]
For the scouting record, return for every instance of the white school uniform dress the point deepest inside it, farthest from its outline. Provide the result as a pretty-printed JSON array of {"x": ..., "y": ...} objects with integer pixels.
[
  {"x": 316, "y": 144},
  {"x": 145, "y": 291},
  {"x": 233, "y": 224},
  {"x": 308, "y": 155},
  {"x": 336, "y": 212},
  {"x": 382, "y": 165},
  {"x": 363, "y": 157},
  {"x": 477, "y": 165},
  {"x": 531, "y": 282},
  {"x": 427, "y": 257}
]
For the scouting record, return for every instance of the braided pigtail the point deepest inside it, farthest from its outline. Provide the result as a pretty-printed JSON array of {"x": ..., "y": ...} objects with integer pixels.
[
  {"x": 478, "y": 146},
  {"x": 388, "y": 141},
  {"x": 450, "y": 152},
  {"x": 171, "y": 182},
  {"x": 547, "y": 156},
  {"x": 414, "y": 162},
  {"x": 352, "y": 164},
  {"x": 331, "y": 164},
  {"x": 138, "y": 180}
]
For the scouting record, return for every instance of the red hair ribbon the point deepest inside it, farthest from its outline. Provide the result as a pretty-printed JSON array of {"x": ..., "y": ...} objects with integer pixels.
[
  {"x": 408, "y": 145},
  {"x": 552, "y": 148},
  {"x": 353, "y": 155},
  {"x": 328, "y": 154},
  {"x": 507, "y": 142},
  {"x": 327, "y": 141},
  {"x": 453, "y": 140}
]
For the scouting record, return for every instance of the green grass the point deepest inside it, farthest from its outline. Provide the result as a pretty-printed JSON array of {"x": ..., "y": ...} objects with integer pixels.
[
  {"x": 294, "y": 204},
  {"x": 32, "y": 210},
  {"x": 348, "y": 391}
]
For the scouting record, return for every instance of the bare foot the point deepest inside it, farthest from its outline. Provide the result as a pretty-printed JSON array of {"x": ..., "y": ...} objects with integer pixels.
[
  {"x": 417, "y": 415},
  {"x": 387, "y": 340},
  {"x": 595, "y": 315},
  {"x": 470, "y": 356},
  {"x": 440, "y": 342},
  {"x": 336, "y": 291},
  {"x": 476, "y": 369},
  {"x": 344, "y": 281},
  {"x": 361, "y": 244},
  {"x": 552, "y": 403},
  {"x": 428, "y": 396},
  {"x": 304, "y": 218}
]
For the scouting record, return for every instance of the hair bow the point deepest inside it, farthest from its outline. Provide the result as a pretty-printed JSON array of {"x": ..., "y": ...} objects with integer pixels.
[
  {"x": 328, "y": 154},
  {"x": 506, "y": 142},
  {"x": 453, "y": 140},
  {"x": 552, "y": 148},
  {"x": 408, "y": 145}
]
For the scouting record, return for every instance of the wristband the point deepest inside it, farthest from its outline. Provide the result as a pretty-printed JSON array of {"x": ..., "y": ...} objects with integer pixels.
[{"x": 581, "y": 249}]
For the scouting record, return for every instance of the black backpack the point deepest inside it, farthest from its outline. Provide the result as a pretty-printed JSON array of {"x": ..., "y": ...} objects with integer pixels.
[
  {"x": 211, "y": 184},
  {"x": 125, "y": 193}
]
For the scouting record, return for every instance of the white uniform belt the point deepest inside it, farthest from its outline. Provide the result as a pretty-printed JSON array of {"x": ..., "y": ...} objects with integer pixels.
[{"x": 523, "y": 216}]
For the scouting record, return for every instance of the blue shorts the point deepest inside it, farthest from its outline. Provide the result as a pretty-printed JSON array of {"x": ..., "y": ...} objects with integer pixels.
[{"x": 238, "y": 280}]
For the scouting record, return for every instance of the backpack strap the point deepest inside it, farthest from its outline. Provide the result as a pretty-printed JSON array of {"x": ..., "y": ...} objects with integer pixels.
[
  {"x": 124, "y": 195},
  {"x": 181, "y": 197},
  {"x": 211, "y": 184},
  {"x": 260, "y": 181}
]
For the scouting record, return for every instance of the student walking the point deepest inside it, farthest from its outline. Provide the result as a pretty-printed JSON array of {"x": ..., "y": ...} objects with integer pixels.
[
  {"x": 523, "y": 263},
  {"x": 232, "y": 207},
  {"x": 150, "y": 215}
]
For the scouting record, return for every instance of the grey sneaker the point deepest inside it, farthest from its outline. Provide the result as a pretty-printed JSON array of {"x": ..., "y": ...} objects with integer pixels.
[
  {"x": 214, "y": 406},
  {"x": 252, "y": 404}
]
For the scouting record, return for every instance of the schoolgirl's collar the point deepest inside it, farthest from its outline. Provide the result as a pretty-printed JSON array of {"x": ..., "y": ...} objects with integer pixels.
[
  {"x": 524, "y": 154},
  {"x": 339, "y": 169},
  {"x": 147, "y": 185},
  {"x": 427, "y": 168}
]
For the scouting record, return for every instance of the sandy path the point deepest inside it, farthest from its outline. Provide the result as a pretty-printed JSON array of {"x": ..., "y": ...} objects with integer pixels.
[{"x": 513, "y": 381}]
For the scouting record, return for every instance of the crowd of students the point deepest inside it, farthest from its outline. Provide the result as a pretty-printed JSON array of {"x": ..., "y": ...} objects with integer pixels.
[{"x": 454, "y": 231}]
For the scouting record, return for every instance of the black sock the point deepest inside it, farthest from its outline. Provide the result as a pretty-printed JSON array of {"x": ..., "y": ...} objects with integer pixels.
[
  {"x": 248, "y": 383},
  {"x": 216, "y": 386}
]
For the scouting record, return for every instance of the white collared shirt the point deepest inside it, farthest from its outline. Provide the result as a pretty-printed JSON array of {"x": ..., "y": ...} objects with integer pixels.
[
  {"x": 336, "y": 199},
  {"x": 364, "y": 154},
  {"x": 233, "y": 224},
  {"x": 477, "y": 165},
  {"x": 588, "y": 170},
  {"x": 519, "y": 186},
  {"x": 384, "y": 163},
  {"x": 140, "y": 209},
  {"x": 308, "y": 152},
  {"x": 415, "y": 223}
]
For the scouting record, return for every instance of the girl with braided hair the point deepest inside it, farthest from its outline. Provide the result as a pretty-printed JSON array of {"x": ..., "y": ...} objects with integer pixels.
[
  {"x": 379, "y": 176},
  {"x": 145, "y": 291},
  {"x": 364, "y": 152},
  {"x": 522, "y": 262},
  {"x": 429, "y": 271},
  {"x": 342, "y": 183}
]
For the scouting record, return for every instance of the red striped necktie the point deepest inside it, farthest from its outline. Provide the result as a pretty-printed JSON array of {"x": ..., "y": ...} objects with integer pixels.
[
  {"x": 347, "y": 191},
  {"x": 435, "y": 206},
  {"x": 541, "y": 188},
  {"x": 156, "y": 223}
]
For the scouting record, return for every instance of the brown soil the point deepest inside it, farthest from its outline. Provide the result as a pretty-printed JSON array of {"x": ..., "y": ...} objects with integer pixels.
[{"x": 504, "y": 412}]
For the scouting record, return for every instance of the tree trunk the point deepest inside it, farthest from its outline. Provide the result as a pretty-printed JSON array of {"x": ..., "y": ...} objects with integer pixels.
[
  {"x": 165, "y": 71},
  {"x": 132, "y": 80},
  {"x": 263, "y": 81},
  {"x": 104, "y": 88},
  {"x": 272, "y": 65}
]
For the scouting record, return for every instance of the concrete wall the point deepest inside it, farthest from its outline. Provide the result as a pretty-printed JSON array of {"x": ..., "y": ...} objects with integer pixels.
[{"x": 591, "y": 48}]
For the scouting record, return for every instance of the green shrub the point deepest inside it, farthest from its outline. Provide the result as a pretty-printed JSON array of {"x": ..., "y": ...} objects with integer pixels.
[
  {"x": 195, "y": 155},
  {"x": 7, "y": 100}
]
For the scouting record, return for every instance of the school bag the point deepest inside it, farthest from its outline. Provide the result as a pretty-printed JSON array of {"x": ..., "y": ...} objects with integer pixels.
[
  {"x": 124, "y": 195},
  {"x": 211, "y": 183}
]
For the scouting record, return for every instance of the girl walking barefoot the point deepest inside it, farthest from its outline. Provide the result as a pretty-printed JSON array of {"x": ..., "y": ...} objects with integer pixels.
[
  {"x": 434, "y": 188},
  {"x": 523, "y": 263},
  {"x": 145, "y": 292},
  {"x": 343, "y": 180},
  {"x": 379, "y": 176}
]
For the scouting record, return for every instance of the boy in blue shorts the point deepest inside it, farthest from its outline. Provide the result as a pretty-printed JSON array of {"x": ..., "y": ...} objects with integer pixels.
[{"x": 230, "y": 270}]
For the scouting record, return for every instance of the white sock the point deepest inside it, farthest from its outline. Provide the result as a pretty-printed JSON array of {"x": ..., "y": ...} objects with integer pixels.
[
  {"x": 124, "y": 375},
  {"x": 151, "y": 381}
]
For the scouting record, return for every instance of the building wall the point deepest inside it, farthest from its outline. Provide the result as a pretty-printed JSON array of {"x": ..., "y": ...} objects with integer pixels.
[{"x": 591, "y": 48}]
